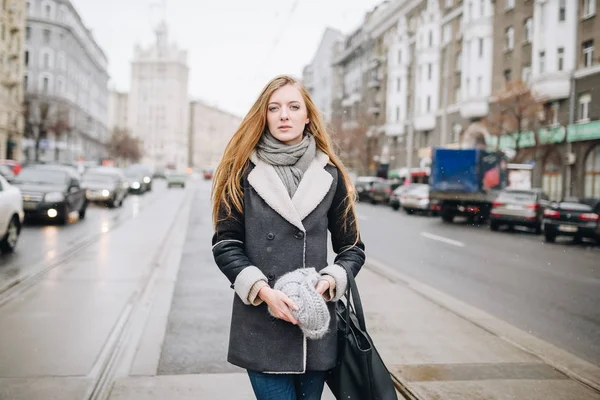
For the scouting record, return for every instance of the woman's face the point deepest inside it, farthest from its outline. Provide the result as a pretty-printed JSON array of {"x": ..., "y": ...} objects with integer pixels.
[{"x": 287, "y": 114}]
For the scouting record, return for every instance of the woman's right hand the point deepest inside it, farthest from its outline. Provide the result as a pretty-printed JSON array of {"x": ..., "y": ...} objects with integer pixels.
[{"x": 279, "y": 304}]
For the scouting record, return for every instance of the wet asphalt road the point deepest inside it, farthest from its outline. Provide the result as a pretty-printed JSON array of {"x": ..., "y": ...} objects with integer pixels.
[{"x": 549, "y": 290}]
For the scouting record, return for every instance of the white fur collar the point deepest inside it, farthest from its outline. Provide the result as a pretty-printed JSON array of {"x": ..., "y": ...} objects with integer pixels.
[{"x": 312, "y": 189}]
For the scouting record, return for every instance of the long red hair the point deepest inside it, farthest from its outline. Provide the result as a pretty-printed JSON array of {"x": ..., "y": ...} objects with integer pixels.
[{"x": 227, "y": 190}]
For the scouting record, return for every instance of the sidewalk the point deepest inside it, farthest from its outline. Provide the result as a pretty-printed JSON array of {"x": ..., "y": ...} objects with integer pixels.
[{"x": 435, "y": 346}]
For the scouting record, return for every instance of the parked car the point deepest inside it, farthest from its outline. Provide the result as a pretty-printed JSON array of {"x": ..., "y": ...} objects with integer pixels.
[
  {"x": 13, "y": 165},
  {"x": 575, "y": 219},
  {"x": 416, "y": 198},
  {"x": 105, "y": 185},
  {"x": 7, "y": 173},
  {"x": 11, "y": 216},
  {"x": 175, "y": 178},
  {"x": 363, "y": 186},
  {"x": 396, "y": 196},
  {"x": 51, "y": 192},
  {"x": 519, "y": 208},
  {"x": 380, "y": 192}
]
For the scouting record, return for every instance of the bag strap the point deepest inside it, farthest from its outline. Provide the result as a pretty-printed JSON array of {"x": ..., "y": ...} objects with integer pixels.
[{"x": 353, "y": 300}]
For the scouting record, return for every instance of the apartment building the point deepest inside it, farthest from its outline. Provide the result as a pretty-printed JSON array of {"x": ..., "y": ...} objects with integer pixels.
[
  {"x": 66, "y": 70},
  {"x": 318, "y": 75},
  {"x": 12, "y": 33},
  {"x": 118, "y": 110}
]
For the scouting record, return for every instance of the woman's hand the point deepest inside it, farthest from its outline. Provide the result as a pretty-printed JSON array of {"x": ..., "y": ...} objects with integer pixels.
[
  {"x": 279, "y": 304},
  {"x": 322, "y": 286}
]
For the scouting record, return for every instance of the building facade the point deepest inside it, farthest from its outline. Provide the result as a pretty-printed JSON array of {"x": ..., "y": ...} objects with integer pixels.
[
  {"x": 210, "y": 131},
  {"x": 118, "y": 111},
  {"x": 66, "y": 93},
  {"x": 158, "y": 102},
  {"x": 12, "y": 34},
  {"x": 321, "y": 90}
]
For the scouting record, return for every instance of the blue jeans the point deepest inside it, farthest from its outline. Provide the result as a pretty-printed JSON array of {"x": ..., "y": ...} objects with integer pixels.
[{"x": 308, "y": 386}]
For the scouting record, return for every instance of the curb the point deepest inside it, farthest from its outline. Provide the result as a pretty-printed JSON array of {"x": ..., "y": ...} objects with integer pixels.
[{"x": 572, "y": 366}]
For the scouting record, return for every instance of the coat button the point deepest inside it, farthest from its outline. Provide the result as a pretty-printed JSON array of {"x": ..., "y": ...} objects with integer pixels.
[
  {"x": 270, "y": 236},
  {"x": 299, "y": 235},
  {"x": 270, "y": 277}
]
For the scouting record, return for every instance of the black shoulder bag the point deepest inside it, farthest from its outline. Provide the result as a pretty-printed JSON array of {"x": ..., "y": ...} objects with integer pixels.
[{"x": 360, "y": 372}]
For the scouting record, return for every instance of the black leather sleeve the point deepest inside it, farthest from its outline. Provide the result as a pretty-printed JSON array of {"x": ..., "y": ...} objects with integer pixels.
[
  {"x": 344, "y": 232},
  {"x": 228, "y": 244}
]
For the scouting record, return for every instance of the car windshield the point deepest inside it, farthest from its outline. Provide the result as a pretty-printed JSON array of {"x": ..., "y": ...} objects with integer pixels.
[
  {"x": 42, "y": 176},
  {"x": 130, "y": 173},
  {"x": 567, "y": 206},
  {"x": 100, "y": 178}
]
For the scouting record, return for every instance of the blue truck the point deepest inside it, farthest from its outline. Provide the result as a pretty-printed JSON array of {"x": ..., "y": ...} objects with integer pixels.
[{"x": 465, "y": 182}]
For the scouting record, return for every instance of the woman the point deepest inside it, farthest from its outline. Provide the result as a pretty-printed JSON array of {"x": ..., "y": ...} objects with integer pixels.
[{"x": 277, "y": 191}]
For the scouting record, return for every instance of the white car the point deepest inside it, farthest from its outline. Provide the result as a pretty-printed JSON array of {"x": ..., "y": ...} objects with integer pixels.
[{"x": 11, "y": 215}]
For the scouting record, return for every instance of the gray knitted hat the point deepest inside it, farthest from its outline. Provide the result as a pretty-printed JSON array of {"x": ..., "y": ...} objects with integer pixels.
[{"x": 312, "y": 313}]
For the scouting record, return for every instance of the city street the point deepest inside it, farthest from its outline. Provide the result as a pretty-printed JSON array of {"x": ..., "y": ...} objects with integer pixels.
[
  {"x": 128, "y": 304},
  {"x": 549, "y": 290}
]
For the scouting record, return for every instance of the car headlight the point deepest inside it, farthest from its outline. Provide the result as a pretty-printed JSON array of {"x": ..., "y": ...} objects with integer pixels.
[
  {"x": 105, "y": 193},
  {"x": 54, "y": 197},
  {"x": 135, "y": 185},
  {"x": 146, "y": 179}
]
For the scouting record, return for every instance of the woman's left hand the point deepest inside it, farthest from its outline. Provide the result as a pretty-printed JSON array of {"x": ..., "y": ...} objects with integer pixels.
[{"x": 322, "y": 286}]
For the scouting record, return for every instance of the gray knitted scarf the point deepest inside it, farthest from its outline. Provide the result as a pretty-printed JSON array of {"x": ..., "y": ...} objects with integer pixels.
[{"x": 290, "y": 161}]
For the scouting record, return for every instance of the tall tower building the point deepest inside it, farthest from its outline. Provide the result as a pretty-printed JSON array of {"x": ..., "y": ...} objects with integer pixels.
[{"x": 158, "y": 101}]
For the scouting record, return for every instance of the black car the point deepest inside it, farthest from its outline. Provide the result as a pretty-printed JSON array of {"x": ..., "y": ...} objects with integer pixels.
[
  {"x": 139, "y": 181},
  {"x": 569, "y": 218},
  {"x": 363, "y": 186},
  {"x": 105, "y": 185},
  {"x": 51, "y": 192}
]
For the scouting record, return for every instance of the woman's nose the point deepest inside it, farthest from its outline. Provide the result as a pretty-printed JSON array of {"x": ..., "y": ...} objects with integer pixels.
[{"x": 284, "y": 114}]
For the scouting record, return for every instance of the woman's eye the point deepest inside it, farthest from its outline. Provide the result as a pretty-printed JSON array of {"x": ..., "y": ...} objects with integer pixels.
[
  {"x": 272, "y": 108},
  {"x": 295, "y": 107}
]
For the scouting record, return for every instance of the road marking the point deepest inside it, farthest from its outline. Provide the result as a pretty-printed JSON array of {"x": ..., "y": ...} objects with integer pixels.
[{"x": 442, "y": 239}]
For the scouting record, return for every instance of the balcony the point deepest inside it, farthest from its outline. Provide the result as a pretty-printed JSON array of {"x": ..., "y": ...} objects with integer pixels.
[
  {"x": 474, "y": 107},
  {"x": 375, "y": 109},
  {"x": 374, "y": 83},
  {"x": 424, "y": 122},
  {"x": 552, "y": 86}
]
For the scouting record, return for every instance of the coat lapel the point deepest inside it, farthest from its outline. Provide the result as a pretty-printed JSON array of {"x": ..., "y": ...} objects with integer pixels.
[
  {"x": 268, "y": 185},
  {"x": 313, "y": 187}
]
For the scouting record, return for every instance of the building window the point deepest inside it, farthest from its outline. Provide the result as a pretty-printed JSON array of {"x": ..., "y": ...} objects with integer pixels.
[
  {"x": 507, "y": 75},
  {"x": 28, "y": 33},
  {"x": 467, "y": 86},
  {"x": 25, "y": 82},
  {"x": 429, "y": 71},
  {"x": 482, "y": 7},
  {"x": 588, "y": 53},
  {"x": 589, "y": 8},
  {"x": 526, "y": 74},
  {"x": 479, "y": 85},
  {"x": 430, "y": 38},
  {"x": 584, "y": 106},
  {"x": 398, "y": 84},
  {"x": 47, "y": 35},
  {"x": 480, "y": 47},
  {"x": 562, "y": 10},
  {"x": 46, "y": 60},
  {"x": 45, "y": 84},
  {"x": 48, "y": 11},
  {"x": 528, "y": 30},
  {"x": 26, "y": 58},
  {"x": 510, "y": 4},
  {"x": 509, "y": 38},
  {"x": 470, "y": 11},
  {"x": 592, "y": 174},
  {"x": 561, "y": 58},
  {"x": 428, "y": 103},
  {"x": 542, "y": 62},
  {"x": 399, "y": 56},
  {"x": 458, "y": 61},
  {"x": 397, "y": 114}
]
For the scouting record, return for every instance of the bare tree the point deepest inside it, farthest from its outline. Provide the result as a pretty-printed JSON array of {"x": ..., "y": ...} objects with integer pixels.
[
  {"x": 515, "y": 111},
  {"x": 353, "y": 145},
  {"x": 60, "y": 127},
  {"x": 123, "y": 146}
]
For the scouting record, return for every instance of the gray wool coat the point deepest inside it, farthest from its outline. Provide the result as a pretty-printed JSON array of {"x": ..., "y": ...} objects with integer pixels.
[{"x": 275, "y": 235}]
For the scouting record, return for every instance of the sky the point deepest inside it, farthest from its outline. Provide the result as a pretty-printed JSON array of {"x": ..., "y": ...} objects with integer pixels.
[{"x": 234, "y": 46}]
